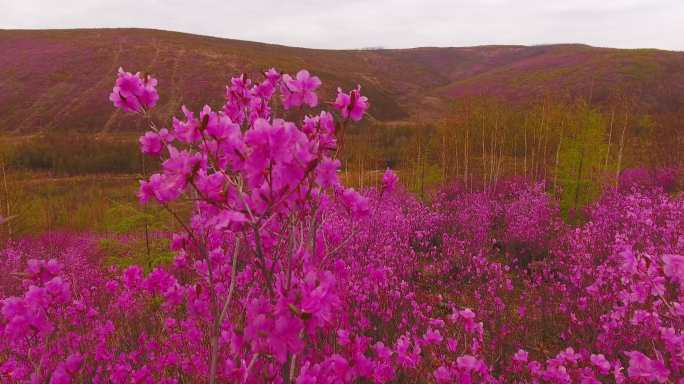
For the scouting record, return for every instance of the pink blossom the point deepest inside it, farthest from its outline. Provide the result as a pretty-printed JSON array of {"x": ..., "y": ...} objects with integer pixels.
[
  {"x": 468, "y": 363},
  {"x": 600, "y": 362},
  {"x": 389, "y": 180},
  {"x": 357, "y": 204},
  {"x": 187, "y": 131},
  {"x": 674, "y": 267},
  {"x": 520, "y": 356},
  {"x": 60, "y": 376},
  {"x": 326, "y": 173},
  {"x": 432, "y": 336},
  {"x": 229, "y": 219},
  {"x": 284, "y": 338},
  {"x": 151, "y": 143},
  {"x": 351, "y": 105},
  {"x": 640, "y": 366},
  {"x": 132, "y": 92},
  {"x": 343, "y": 337},
  {"x": 442, "y": 375},
  {"x": 300, "y": 90}
]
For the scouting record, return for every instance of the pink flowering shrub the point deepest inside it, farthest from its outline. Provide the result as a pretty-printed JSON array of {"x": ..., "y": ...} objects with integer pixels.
[
  {"x": 281, "y": 274},
  {"x": 52, "y": 287},
  {"x": 624, "y": 263},
  {"x": 637, "y": 178},
  {"x": 515, "y": 218}
]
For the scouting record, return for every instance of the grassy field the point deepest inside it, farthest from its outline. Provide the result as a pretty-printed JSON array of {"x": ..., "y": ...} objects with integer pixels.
[
  {"x": 100, "y": 202},
  {"x": 94, "y": 203}
]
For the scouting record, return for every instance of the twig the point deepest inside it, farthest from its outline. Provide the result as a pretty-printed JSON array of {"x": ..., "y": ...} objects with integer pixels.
[{"x": 233, "y": 274}]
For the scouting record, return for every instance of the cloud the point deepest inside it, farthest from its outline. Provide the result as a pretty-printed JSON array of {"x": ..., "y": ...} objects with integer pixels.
[{"x": 362, "y": 23}]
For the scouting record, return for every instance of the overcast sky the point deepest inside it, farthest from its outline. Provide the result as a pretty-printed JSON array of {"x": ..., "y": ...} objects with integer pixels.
[{"x": 374, "y": 23}]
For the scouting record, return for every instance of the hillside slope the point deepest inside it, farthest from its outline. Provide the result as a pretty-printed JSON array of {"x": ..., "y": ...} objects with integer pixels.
[{"x": 60, "y": 79}]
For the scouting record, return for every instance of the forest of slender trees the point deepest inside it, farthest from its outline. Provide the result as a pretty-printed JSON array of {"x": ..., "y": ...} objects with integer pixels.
[{"x": 575, "y": 147}]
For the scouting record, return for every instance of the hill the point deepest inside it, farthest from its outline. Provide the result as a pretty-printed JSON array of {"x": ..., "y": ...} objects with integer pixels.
[{"x": 60, "y": 79}]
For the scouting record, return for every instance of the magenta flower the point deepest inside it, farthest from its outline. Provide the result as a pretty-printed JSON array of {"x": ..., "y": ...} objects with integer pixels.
[
  {"x": 58, "y": 289},
  {"x": 468, "y": 363},
  {"x": 389, "y": 180},
  {"x": 272, "y": 75},
  {"x": 229, "y": 219},
  {"x": 382, "y": 352},
  {"x": 132, "y": 276},
  {"x": 357, "y": 204},
  {"x": 432, "y": 336},
  {"x": 452, "y": 344},
  {"x": 405, "y": 356},
  {"x": 343, "y": 337},
  {"x": 674, "y": 268},
  {"x": 284, "y": 338},
  {"x": 600, "y": 362},
  {"x": 132, "y": 93},
  {"x": 151, "y": 143},
  {"x": 187, "y": 131},
  {"x": 641, "y": 366},
  {"x": 351, "y": 105},
  {"x": 442, "y": 375},
  {"x": 300, "y": 90},
  {"x": 520, "y": 356},
  {"x": 467, "y": 315},
  {"x": 60, "y": 376},
  {"x": 326, "y": 173},
  {"x": 42, "y": 270}
]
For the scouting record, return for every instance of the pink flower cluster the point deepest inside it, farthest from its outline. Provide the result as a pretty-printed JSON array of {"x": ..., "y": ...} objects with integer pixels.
[{"x": 134, "y": 93}]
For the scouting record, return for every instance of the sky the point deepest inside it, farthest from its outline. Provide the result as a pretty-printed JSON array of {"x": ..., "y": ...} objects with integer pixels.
[{"x": 351, "y": 24}]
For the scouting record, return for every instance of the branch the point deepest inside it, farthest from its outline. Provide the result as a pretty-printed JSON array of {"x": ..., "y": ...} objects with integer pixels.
[{"x": 233, "y": 274}]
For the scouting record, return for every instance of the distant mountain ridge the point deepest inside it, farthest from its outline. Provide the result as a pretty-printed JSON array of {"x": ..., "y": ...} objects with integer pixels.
[{"x": 60, "y": 79}]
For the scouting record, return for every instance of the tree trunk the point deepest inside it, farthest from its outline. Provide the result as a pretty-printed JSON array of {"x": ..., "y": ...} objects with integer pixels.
[
  {"x": 621, "y": 149},
  {"x": 579, "y": 179}
]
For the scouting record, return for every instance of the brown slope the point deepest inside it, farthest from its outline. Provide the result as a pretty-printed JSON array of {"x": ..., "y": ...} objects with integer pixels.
[
  {"x": 655, "y": 77},
  {"x": 60, "y": 79}
]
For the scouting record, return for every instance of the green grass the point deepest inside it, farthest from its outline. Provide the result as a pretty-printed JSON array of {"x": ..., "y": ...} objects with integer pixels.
[
  {"x": 92, "y": 203},
  {"x": 135, "y": 251}
]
